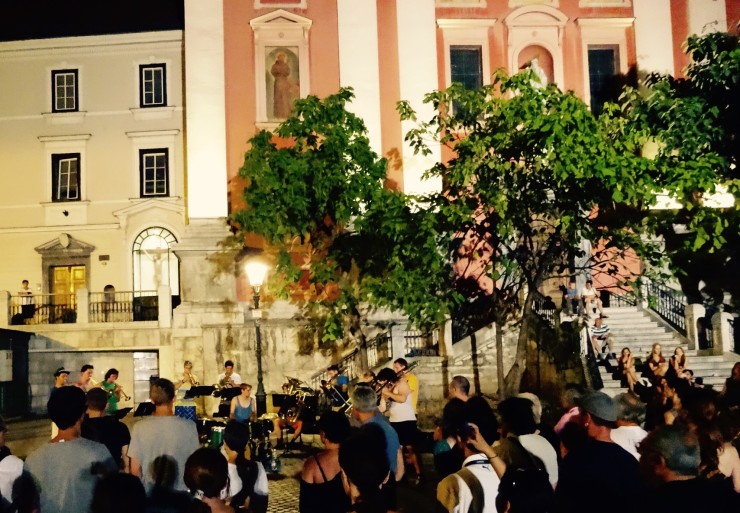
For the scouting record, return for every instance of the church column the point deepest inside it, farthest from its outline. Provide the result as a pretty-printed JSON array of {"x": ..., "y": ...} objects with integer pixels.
[
  {"x": 358, "y": 62},
  {"x": 417, "y": 70}
]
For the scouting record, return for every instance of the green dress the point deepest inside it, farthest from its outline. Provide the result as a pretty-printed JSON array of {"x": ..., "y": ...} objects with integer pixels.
[{"x": 112, "y": 397}]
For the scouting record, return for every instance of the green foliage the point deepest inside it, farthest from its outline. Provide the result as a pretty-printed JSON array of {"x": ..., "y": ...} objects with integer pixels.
[
  {"x": 693, "y": 123},
  {"x": 343, "y": 244}
]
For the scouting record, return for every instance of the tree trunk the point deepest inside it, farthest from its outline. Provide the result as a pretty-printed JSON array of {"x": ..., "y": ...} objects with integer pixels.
[
  {"x": 501, "y": 378},
  {"x": 513, "y": 380}
]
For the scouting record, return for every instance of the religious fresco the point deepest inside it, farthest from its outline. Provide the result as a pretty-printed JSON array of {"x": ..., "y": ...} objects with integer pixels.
[{"x": 283, "y": 83}]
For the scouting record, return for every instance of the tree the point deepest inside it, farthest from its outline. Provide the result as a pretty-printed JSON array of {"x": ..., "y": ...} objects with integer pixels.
[
  {"x": 693, "y": 124},
  {"x": 343, "y": 244},
  {"x": 534, "y": 174}
]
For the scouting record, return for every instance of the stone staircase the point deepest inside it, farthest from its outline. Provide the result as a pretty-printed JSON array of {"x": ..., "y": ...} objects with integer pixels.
[{"x": 637, "y": 329}]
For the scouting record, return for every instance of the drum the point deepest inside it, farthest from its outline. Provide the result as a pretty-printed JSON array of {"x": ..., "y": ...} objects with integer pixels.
[
  {"x": 217, "y": 437},
  {"x": 259, "y": 429}
]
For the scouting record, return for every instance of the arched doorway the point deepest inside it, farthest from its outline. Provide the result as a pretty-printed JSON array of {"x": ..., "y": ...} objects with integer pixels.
[{"x": 155, "y": 264}]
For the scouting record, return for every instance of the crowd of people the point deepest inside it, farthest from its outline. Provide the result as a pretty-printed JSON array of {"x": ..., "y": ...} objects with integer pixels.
[{"x": 675, "y": 451}]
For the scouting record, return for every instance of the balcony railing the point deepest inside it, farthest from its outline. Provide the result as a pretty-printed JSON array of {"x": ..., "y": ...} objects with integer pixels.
[
  {"x": 419, "y": 343},
  {"x": 43, "y": 309},
  {"x": 83, "y": 307},
  {"x": 124, "y": 306}
]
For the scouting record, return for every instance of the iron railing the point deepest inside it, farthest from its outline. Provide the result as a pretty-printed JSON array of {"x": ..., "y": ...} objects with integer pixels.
[
  {"x": 733, "y": 335},
  {"x": 669, "y": 304},
  {"x": 420, "y": 343},
  {"x": 591, "y": 364},
  {"x": 379, "y": 351},
  {"x": 621, "y": 300},
  {"x": 545, "y": 308},
  {"x": 111, "y": 306},
  {"x": 43, "y": 309}
]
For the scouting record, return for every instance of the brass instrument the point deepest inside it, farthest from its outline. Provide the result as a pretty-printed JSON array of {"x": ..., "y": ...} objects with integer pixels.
[
  {"x": 226, "y": 381},
  {"x": 191, "y": 379},
  {"x": 119, "y": 390},
  {"x": 93, "y": 383}
]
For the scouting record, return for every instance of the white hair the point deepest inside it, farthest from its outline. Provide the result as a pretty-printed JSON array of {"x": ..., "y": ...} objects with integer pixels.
[{"x": 536, "y": 405}]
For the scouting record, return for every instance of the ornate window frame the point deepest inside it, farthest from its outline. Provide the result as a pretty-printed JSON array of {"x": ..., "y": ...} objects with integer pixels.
[
  {"x": 274, "y": 30},
  {"x": 466, "y": 32}
]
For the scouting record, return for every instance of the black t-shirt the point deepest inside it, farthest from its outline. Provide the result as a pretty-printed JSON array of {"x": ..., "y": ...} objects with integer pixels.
[
  {"x": 694, "y": 496},
  {"x": 110, "y": 432},
  {"x": 599, "y": 476}
]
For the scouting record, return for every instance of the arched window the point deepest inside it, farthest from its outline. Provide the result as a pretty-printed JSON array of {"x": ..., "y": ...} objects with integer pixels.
[{"x": 154, "y": 261}]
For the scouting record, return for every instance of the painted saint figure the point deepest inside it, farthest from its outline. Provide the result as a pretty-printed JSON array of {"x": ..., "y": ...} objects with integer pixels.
[{"x": 282, "y": 98}]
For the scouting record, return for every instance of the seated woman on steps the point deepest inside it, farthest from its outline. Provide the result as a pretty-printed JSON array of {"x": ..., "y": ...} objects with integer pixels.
[
  {"x": 677, "y": 365},
  {"x": 657, "y": 366},
  {"x": 626, "y": 365}
]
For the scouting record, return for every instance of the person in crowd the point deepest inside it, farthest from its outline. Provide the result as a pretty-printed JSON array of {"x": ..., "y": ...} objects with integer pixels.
[
  {"x": 572, "y": 435},
  {"x": 86, "y": 381},
  {"x": 677, "y": 365},
  {"x": 106, "y": 429},
  {"x": 366, "y": 473},
  {"x": 599, "y": 472},
  {"x": 229, "y": 378},
  {"x": 571, "y": 298},
  {"x": 25, "y": 495},
  {"x": 11, "y": 468},
  {"x": 522, "y": 491},
  {"x": 626, "y": 368},
  {"x": 519, "y": 446},
  {"x": 591, "y": 300},
  {"x": 657, "y": 366},
  {"x": 396, "y": 399},
  {"x": 118, "y": 493},
  {"x": 569, "y": 401},
  {"x": 601, "y": 339},
  {"x": 730, "y": 395},
  {"x": 476, "y": 407},
  {"x": 61, "y": 375},
  {"x": 671, "y": 400},
  {"x": 729, "y": 458},
  {"x": 163, "y": 497},
  {"x": 670, "y": 459},
  {"x": 456, "y": 491},
  {"x": 243, "y": 406},
  {"x": 247, "y": 478},
  {"x": 630, "y": 416},
  {"x": 67, "y": 469},
  {"x": 113, "y": 390},
  {"x": 321, "y": 479},
  {"x": 207, "y": 478},
  {"x": 447, "y": 456},
  {"x": 543, "y": 429},
  {"x": 365, "y": 411},
  {"x": 367, "y": 377},
  {"x": 162, "y": 434}
]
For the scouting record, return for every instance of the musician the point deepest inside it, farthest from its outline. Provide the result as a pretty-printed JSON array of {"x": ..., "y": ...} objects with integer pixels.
[
  {"x": 243, "y": 406},
  {"x": 190, "y": 408},
  {"x": 188, "y": 378},
  {"x": 337, "y": 387},
  {"x": 396, "y": 399},
  {"x": 86, "y": 382},
  {"x": 290, "y": 415},
  {"x": 401, "y": 366},
  {"x": 113, "y": 390},
  {"x": 229, "y": 378}
]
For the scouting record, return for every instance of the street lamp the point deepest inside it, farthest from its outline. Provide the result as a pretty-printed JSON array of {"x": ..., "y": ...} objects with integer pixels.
[{"x": 256, "y": 273}]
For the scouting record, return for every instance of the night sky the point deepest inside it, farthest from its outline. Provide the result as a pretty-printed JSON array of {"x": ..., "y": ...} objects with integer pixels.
[{"x": 39, "y": 19}]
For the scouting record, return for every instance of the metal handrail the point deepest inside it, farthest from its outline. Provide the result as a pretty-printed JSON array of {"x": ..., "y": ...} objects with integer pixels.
[
  {"x": 669, "y": 304},
  {"x": 591, "y": 364},
  {"x": 124, "y": 306},
  {"x": 379, "y": 351}
]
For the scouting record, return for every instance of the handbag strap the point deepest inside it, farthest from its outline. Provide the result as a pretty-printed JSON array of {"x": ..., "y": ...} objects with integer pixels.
[{"x": 476, "y": 489}]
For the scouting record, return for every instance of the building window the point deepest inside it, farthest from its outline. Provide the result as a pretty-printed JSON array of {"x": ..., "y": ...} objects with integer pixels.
[
  {"x": 153, "y": 85},
  {"x": 602, "y": 73},
  {"x": 466, "y": 66},
  {"x": 153, "y": 166},
  {"x": 154, "y": 262},
  {"x": 65, "y": 177},
  {"x": 64, "y": 92}
]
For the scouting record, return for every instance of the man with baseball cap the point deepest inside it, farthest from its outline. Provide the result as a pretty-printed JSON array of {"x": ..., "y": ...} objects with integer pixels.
[
  {"x": 599, "y": 475},
  {"x": 60, "y": 380}
]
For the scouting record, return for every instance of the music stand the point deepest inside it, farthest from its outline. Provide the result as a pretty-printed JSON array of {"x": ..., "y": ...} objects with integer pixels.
[
  {"x": 144, "y": 409},
  {"x": 198, "y": 391},
  {"x": 228, "y": 393},
  {"x": 119, "y": 414}
]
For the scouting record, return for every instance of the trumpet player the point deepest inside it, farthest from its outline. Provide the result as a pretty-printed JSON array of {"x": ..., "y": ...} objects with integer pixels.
[
  {"x": 113, "y": 390},
  {"x": 86, "y": 381},
  {"x": 229, "y": 378}
]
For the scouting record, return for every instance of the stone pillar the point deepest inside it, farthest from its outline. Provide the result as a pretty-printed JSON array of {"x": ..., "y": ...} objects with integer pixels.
[
  {"x": 83, "y": 306},
  {"x": 654, "y": 36},
  {"x": 445, "y": 339},
  {"x": 398, "y": 341},
  {"x": 693, "y": 313},
  {"x": 723, "y": 342},
  {"x": 4, "y": 308},
  {"x": 164, "y": 302}
]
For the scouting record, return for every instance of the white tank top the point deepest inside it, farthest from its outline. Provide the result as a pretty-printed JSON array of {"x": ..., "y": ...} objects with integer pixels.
[{"x": 401, "y": 412}]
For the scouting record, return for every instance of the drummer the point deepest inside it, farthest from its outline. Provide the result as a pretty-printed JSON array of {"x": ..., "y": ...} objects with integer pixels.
[{"x": 243, "y": 406}]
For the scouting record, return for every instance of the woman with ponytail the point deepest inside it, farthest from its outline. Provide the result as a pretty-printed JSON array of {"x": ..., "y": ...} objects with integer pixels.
[
  {"x": 248, "y": 479},
  {"x": 207, "y": 478}
]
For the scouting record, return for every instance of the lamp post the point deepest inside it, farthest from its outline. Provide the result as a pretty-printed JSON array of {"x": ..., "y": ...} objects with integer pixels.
[{"x": 256, "y": 273}]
